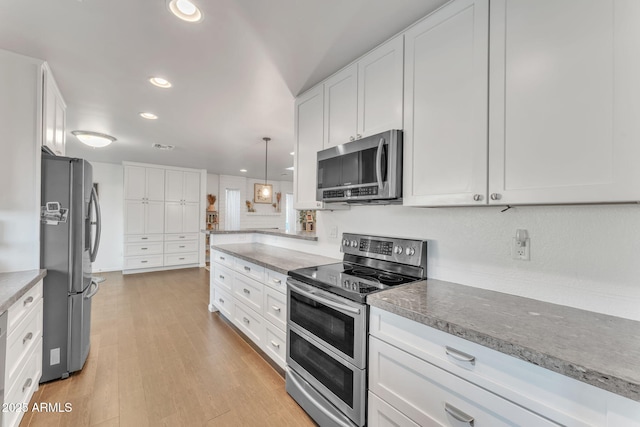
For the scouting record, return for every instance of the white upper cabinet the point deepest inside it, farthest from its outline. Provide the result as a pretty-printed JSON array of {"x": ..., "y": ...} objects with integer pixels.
[
  {"x": 143, "y": 217},
  {"x": 365, "y": 98},
  {"x": 380, "y": 88},
  {"x": 308, "y": 136},
  {"x": 341, "y": 107},
  {"x": 143, "y": 183},
  {"x": 564, "y": 114},
  {"x": 445, "y": 106},
  {"x": 182, "y": 186},
  {"x": 54, "y": 114},
  {"x": 182, "y": 217}
]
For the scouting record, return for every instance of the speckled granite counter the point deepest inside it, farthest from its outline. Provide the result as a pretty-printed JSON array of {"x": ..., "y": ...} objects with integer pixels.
[
  {"x": 272, "y": 257},
  {"x": 14, "y": 285},
  {"x": 597, "y": 349},
  {"x": 302, "y": 235}
]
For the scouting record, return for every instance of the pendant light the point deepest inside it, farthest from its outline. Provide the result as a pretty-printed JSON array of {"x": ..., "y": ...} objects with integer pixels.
[{"x": 265, "y": 190}]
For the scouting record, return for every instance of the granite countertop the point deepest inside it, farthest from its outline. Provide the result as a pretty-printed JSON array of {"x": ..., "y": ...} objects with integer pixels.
[
  {"x": 272, "y": 257},
  {"x": 14, "y": 285},
  {"x": 303, "y": 235},
  {"x": 594, "y": 348}
]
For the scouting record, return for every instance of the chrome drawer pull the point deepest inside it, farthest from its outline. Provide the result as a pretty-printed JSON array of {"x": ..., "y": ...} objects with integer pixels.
[
  {"x": 275, "y": 344},
  {"x": 221, "y": 300},
  {"x": 143, "y": 262},
  {"x": 247, "y": 269},
  {"x": 144, "y": 238},
  {"x": 245, "y": 320},
  {"x": 27, "y": 301},
  {"x": 181, "y": 259},
  {"x": 221, "y": 276},
  {"x": 458, "y": 414},
  {"x": 27, "y": 384},
  {"x": 275, "y": 308},
  {"x": 278, "y": 281},
  {"x": 247, "y": 291},
  {"x": 143, "y": 249},
  {"x": 222, "y": 258},
  {"x": 27, "y": 338},
  {"x": 459, "y": 355},
  {"x": 181, "y": 246},
  {"x": 181, "y": 237}
]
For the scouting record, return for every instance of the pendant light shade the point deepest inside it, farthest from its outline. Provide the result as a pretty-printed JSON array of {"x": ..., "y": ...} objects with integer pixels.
[{"x": 266, "y": 192}]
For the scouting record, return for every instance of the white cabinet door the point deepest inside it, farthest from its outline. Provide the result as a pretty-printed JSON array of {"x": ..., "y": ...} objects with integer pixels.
[
  {"x": 308, "y": 136},
  {"x": 173, "y": 217},
  {"x": 340, "y": 107},
  {"x": 60, "y": 118},
  {"x": 154, "y": 220},
  {"x": 54, "y": 111},
  {"x": 173, "y": 186},
  {"x": 134, "y": 217},
  {"x": 191, "y": 191},
  {"x": 563, "y": 101},
  {"x": 380, "y": 86},
  {"x": 190, "y": 217},
  {"x": 445, "y": 107},
  {"x": 154, "y": 184},
  {"x": 134, "y": 183}
]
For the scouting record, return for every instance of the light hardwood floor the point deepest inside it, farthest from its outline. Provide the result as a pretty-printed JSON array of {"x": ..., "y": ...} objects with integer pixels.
[{"x": 160, "y": 358}]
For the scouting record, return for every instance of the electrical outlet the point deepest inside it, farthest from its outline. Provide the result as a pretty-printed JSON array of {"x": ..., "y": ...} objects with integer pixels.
[{"x": 520, "y": 249}]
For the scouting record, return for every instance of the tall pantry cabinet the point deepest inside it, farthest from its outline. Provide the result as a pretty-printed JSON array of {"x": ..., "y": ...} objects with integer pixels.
[{"x": 162, "y": 217}]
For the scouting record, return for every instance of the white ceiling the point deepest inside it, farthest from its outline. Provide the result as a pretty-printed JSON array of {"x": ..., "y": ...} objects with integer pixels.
[{"x": 235, "y": 74}]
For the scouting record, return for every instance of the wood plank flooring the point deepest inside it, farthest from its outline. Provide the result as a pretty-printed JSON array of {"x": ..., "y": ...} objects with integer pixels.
[{"x": 160, "y": 358}]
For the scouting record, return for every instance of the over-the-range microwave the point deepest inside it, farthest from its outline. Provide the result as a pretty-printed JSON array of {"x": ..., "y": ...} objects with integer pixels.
[{"x": 367, "y": 170}]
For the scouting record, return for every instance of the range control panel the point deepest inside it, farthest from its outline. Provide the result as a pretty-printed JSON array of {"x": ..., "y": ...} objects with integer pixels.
[{"x": 405, "y": 251}]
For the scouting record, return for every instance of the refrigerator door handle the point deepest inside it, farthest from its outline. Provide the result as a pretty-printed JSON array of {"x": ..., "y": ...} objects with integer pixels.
[
  {"x": 94, "y": 291},
  {"x": 96, "y": 242}
]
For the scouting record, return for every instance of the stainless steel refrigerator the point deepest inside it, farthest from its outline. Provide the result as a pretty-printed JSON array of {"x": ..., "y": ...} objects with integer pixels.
[{"x": 70, "y": 236}]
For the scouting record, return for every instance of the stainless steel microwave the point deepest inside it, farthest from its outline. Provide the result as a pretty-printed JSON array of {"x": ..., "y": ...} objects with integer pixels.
[{"x": 368, "y": 170}]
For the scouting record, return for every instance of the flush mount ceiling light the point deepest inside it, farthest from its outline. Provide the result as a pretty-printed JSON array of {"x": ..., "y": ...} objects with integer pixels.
[
  {"x": 289, "y": 168},
  {"x": 185, "y": 10},
  {"x": 243, "y": 170},
  {"x": 292, "y": 153},
  {"x": 148, "y": 116},
  {"x": 93, "y": 139},
  {"x": 160, "y": 82}
]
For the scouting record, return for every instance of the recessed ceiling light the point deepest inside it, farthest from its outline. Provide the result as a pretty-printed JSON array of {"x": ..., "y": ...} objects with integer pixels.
[
  {"x": 243, "y": 170},
  {"x": 185, "y": 10},
  {"x": 289, "y": 168},
  {"x": 292, "y": 153},
  {"x": 93, "y": 139},
  {"x": 160, "y": 82},
  {"x": 148, "y": 116}
]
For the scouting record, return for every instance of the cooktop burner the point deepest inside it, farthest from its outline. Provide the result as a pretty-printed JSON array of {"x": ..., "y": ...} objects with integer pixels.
[{"x": 349, "y": 280}]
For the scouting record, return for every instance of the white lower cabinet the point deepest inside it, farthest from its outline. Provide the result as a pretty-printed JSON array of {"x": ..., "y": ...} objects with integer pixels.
[
  {"x": 181, "y": 249},
  {"x": 434, "y": 378},
  {"x": 254, "y": 299},
  {"x": 23, "y": 366},
  {"x": 382, "y": 414}
]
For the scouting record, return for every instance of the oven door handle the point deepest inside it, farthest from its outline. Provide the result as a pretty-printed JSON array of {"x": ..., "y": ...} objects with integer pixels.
[
  {"x": 379, "y": 164},
  {"x": 318, "y": 405},
  {"x": 333, "y": 304}
]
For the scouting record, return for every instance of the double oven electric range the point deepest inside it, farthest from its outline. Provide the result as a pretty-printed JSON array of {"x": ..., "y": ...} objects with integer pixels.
[{"x": 327, "y": 323}]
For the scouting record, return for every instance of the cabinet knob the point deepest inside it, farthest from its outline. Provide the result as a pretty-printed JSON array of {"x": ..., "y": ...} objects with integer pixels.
[
  {"x": 477, "y": 197},
  {"x": 351, "y": 138},
  {"x": 495, "y": 196},
  {"x": 358, "y": 136}
]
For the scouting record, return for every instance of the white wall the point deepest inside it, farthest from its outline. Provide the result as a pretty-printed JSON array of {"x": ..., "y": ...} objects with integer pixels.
[
  {"x": 110, "y": 187},
  {"x": 581, "y": 256},
  {"x": 20, "y": 162}
]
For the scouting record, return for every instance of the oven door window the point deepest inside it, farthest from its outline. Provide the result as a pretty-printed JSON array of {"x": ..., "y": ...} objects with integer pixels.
[
  {"x": 324, "y": 368},
  {"x": 331, "y": 326}
]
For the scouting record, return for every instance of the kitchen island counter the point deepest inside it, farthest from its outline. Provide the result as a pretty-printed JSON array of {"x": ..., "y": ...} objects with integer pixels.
[
  {"x": 272, "y": 257},
  {"x": 302, "y": 235},
  {"x": 597, "y": 349},
  {"x": 14, "y": 285}
]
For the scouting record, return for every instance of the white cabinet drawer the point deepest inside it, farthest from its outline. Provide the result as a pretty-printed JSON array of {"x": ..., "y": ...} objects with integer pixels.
[
  {"x": 223, "y": 258},
  {"x": 248, "y": 291},
  {"x": 275, "y": 280},
  {"x": 222, "y": 277},
  {"x": 431, "y": 396},
  {"x": 275, "y": 308},
  {"x": 180, "y": 236},
  {"x": 250, "y": 269},
  {"x": 248, "y": 322},
  {"x": 147, "y": 248},
  {"x": 224, "y": 302},
  {"x": 143, "y": 238},
  {"x": 25, "y": 385},
  {"x": 180, "y": 259},
  {"x": 381, "y": 414},
  {"x": 275, "y": 344},
  {"x": 22, "y": 340},
  {"x": 555, "y": 396},
  {"x": 21, "y": 307},
  {"x": 147, "y": 261},
  {"x": 179, "y": 247}
]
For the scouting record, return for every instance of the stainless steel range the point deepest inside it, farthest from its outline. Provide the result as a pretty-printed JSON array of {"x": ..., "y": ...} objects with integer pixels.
[{"x": 327, "y": 323}]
